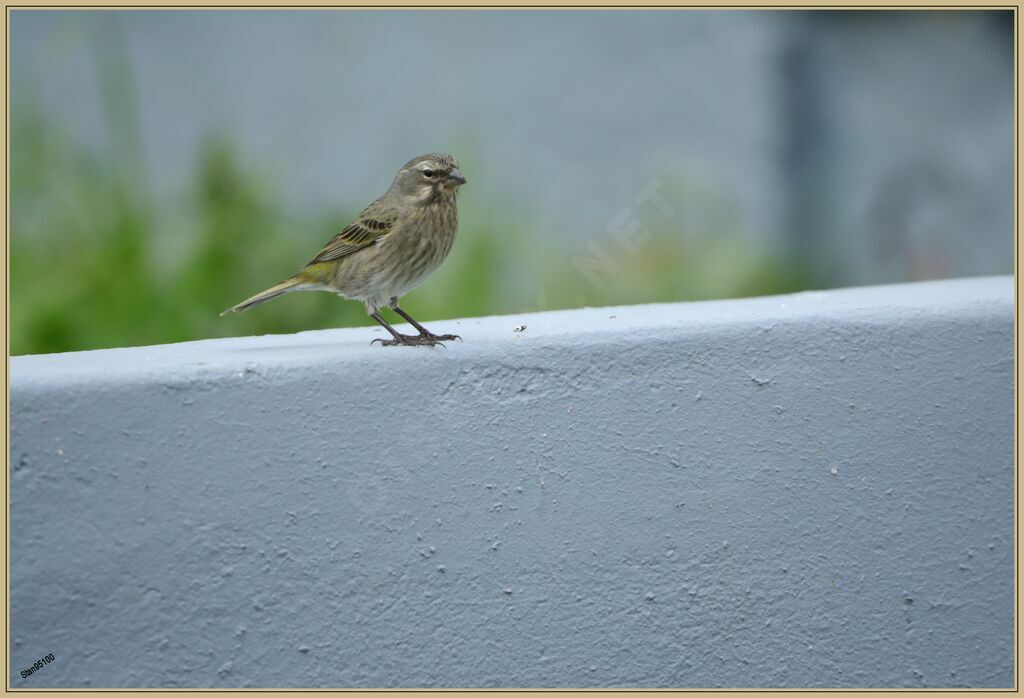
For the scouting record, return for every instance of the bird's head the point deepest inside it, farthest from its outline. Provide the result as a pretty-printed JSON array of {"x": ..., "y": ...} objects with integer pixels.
[{"x": 423, "y": 179}]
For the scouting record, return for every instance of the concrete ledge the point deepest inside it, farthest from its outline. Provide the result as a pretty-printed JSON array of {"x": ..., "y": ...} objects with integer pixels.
[{"x": 806, "y": 490}]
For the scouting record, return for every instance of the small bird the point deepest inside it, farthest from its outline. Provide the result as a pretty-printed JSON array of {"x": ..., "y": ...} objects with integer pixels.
[{"x": 394, "y": 244}]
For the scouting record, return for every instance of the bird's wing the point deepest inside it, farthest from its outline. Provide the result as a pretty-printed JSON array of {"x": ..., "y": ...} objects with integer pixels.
[{"x": 372, "y": 224}]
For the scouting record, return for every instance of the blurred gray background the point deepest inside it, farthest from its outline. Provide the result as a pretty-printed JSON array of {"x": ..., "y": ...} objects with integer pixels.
[{"x": 787, "y": 150}]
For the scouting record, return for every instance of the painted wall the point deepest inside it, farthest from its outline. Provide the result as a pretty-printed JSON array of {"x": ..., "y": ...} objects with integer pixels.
[{"x": 808, "y": 490}]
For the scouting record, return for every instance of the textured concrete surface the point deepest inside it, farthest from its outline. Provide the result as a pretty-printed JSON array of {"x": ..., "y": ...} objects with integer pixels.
[{"x": 807, "y": 490}]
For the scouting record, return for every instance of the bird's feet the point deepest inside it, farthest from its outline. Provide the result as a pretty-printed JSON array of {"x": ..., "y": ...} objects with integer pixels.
[
  {"x": 416, "y": 340},
  {"x": 441, "y": 337}
]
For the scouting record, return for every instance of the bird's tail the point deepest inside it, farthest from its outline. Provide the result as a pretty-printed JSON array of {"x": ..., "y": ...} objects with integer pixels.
[{"x": 296, "y": 283}]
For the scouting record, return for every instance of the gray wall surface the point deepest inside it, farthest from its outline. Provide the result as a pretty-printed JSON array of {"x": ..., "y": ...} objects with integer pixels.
[{"x": 806, "y": 490}]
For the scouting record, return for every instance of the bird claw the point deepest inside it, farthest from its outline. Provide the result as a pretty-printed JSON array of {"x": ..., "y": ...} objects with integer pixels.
[
  {"x": 413, "y": 340},
  {"x": 443, "y": 337}
]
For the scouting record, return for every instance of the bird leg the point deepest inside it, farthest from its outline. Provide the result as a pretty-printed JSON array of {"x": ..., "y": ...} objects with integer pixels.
[
  {"x": 424, "y": 332},
  {"x": 403, "y": 339},
  {"x": 398, "y": 338}
]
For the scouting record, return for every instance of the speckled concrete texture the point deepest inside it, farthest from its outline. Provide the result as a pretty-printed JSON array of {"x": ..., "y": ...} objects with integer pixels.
[{"x": 805, "y": 490}]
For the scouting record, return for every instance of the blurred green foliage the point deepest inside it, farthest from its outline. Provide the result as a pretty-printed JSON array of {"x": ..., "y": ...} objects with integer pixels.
[{"x": 96, "y": 261}]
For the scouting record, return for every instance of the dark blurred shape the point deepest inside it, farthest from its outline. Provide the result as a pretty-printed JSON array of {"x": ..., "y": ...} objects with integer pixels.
[{"x": 808, "y": 153}]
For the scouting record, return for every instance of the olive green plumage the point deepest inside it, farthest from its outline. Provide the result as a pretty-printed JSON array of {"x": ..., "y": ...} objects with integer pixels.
[{"x": 392, "y": 246}]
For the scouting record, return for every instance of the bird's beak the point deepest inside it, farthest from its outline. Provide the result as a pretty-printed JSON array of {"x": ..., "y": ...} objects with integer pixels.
[{"x": 456, "y": 177}]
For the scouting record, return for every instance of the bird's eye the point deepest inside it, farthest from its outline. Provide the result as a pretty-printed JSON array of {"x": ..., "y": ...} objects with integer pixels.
[{"x": 428, "y": 173}]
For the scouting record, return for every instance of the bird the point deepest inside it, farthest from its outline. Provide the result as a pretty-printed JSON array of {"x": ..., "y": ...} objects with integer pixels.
[{"x": 389, "y": 249}]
